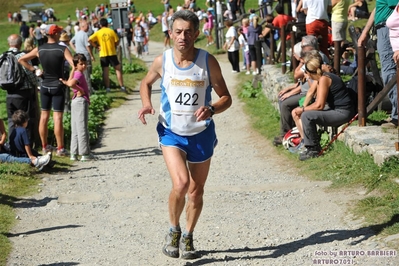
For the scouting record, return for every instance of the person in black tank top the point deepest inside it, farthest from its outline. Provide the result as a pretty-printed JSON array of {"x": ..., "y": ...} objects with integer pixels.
[
  {"x": 332, "y": 106},
  {"x": 358, "y": 9},
  {"x": 52, "y": 56}
]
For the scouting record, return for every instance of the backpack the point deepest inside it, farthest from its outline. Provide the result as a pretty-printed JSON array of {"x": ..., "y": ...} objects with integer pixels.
[{"x": 12, "y": 74}]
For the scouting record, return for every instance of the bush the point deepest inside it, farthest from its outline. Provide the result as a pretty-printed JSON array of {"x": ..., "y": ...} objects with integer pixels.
[{"x": 99, "y": 103}]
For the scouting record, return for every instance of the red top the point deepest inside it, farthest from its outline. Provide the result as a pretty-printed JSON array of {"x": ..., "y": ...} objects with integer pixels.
[{"x": 282, "y": 20}]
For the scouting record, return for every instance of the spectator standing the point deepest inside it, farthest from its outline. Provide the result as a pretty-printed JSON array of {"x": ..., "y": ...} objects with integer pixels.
[
  {"x": 25, "y": 98},
  {"x": 65, "y": 41},
  {"x": 80, "y": 44},
  {"x": 233, "y": 8},
  {"x": 281, "y": 20},
  {"x": 254, "y": 30},
  {"x": 77, "y": 13},
  {"x": 242, "y": 40},
  {"x": 300, "y": 15},
  {"x": 38, "y": 34},
  {"x": 9, "y": 16},
  {"x": 383, "y": 9},
  {"x": 186, "y": 130},
  {"x": 241, "y": 7},
  {"x": 244, "y": 28},
  {"x": 145, "y": 26},
  {"x": 139, "y": 37},
  {"x": 52, "y": 92},
  {"x": 19, "y": 17},
  {"x": 317, "y": 20},
  {"x": 232, "y": 46},
  {"x": 210, "y": 26},
  {"x": 15, "y": 17},
  {"x": 68, "y": 30},
  {"x": 31, "y": 31},
  {"x": 24, "y": 30},
  {"x": 80, "y": 141},
  {"x": 393, "y": 25},
  {"x": 339, "y": 20},
  {"x": 106, "y": 40},
  {"x": 165, "y": 4},
  {"x": 165, "y": 30}
]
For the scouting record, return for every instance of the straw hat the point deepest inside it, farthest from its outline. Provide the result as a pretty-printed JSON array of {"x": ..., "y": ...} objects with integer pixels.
[{"x": 64, "y": 37}]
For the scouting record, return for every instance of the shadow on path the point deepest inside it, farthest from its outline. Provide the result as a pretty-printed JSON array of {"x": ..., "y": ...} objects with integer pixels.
[
  {"x": 119, "y": 154},
  {"x": 43, "y": 230},
  {"x": 323, "y": 237},
  {"x": 24, "y": 203}
]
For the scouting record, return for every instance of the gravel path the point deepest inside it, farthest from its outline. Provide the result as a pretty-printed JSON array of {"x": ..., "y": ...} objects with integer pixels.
[{"x": 257, "y": 211}]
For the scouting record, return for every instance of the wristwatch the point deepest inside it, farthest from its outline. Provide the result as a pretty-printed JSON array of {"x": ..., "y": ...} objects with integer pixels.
[{"x": 212, "y": 109}]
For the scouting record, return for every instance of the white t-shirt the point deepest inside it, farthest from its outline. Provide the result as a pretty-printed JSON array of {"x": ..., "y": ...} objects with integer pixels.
[
  {"x": 243, "y": 43},
  {"x": 231, "y": 32},
  {"x": 317, "y": 9}
]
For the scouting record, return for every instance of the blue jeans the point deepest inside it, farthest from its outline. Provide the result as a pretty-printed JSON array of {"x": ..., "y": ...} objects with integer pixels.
[
  {"x": 7, "y": 158},
  {"x": 388, "y": 66}
]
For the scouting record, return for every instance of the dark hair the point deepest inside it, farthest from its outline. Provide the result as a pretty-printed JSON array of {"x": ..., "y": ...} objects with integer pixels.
[
  {"x": 185, "y": 15},
  {"x": 19, "y": 117},
  {"x": 228, "y": 23},
  {"x": 77, "y": 58},
  {"x": 269, "y": 18},
  {"x": 104, "y": 22},
  {"x": 279, "y": 9}
]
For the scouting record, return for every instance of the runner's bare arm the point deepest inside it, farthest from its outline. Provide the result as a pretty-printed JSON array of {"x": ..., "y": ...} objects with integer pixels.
[
  {"x": 219, "y": 85},
  {"x": 153, "y": 74}
]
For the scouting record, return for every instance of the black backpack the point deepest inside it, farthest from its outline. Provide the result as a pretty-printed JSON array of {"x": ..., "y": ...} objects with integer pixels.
[{"x": 12, "y": 74}]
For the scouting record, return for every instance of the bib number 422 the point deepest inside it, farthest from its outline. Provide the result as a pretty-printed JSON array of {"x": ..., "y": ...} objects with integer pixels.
[{"x": 187, "y": 99}]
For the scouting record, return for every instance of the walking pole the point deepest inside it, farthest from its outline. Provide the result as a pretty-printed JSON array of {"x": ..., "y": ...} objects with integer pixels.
[{"x": 336, "y": 136}]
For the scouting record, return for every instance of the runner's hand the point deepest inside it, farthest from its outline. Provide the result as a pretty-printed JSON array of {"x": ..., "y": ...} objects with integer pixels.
[
  {"x": 203, "y": 113},
  {"x": 143, "y": 111}
]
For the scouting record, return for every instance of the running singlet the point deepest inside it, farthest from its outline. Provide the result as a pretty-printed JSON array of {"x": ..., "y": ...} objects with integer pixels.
[{"x": 184, "y": 90}]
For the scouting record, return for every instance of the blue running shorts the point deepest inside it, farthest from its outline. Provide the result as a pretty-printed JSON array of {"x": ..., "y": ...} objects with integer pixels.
[{"x": 198, "y": 148}]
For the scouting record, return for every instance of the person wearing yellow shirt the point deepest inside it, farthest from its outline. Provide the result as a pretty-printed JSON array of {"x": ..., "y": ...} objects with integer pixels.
[{"x": 106, "y": 41}]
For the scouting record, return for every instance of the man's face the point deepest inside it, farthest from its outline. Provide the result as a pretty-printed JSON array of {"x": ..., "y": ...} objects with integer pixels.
[{"x": 183, "y": 34}]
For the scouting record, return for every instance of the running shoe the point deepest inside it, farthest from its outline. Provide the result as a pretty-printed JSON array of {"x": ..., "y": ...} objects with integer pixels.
[
  {"x": 186, "y": 246},
  {"x": 87, "y": 157},
  {"x": 41, "y": 161},
  {"x": 171, "y": 248},
  {"x": 48, "y": 149},
  {"x": 62, "y": 152}
]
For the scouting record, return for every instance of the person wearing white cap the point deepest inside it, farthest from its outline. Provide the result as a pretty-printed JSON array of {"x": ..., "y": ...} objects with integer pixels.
[{"x": 52, "y": 96}]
